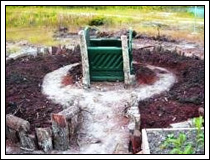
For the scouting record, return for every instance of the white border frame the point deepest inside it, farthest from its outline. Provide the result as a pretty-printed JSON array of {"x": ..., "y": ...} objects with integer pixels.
[{"x": 3, "y": 3}]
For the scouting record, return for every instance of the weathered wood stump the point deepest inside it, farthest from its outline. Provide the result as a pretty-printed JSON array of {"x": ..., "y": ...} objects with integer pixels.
[
  {"x": 11, "y": 134},
  {"x": 60, "y": 132},
  {"x": 136, "y": 141},
  {"x": 26, "y": 141},
  {"x": 16, "y": 123},
  {"x": 73, "y": 116},
  {"x": 21, "y": 126},
  {"x": 44, "y": 137}
]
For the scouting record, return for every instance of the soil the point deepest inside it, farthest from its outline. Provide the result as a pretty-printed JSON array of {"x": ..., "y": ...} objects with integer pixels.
[
  {"x": 23, "y": 86},
  {"x": 183, "y": 100},
  {"x": 157, "y": 138}
]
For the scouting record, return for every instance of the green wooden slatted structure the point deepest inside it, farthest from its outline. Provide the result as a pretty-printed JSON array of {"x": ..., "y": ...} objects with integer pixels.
[{"x": 105, "y": 58}]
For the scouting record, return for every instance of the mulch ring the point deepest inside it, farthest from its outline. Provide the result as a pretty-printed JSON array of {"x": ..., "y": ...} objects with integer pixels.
[
  {"x": 183, "y": 100},
  {"x": 23, "y": 87},
  {"x": 24, "y": 79}
]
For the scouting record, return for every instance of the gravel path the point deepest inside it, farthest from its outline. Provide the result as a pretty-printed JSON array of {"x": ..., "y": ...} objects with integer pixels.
[{"x": 105, "y": 127}]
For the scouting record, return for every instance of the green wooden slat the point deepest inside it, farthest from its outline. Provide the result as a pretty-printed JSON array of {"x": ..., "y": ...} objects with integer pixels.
[
  {"x": 111, "y": 61},
  {"x": 116, "y": 62},
  {"x": 108, "y": 58},
  {"x": 105, "y": 58},
  {"x": 95, "y": 59}
]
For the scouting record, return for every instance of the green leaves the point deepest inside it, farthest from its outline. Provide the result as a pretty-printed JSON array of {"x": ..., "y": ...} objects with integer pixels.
[
  {"x": 198, "y": 122},
  {"x": 178, "y": 144},
  {"x": 188, "y": 149}
]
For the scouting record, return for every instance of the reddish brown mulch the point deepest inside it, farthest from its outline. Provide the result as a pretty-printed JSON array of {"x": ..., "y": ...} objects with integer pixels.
[
  {"x": 23, "y": 87},
  {"x": 24, "y": 78},
  {"x": 144, "y": 75},
  {"x": 183, "y": 99}
]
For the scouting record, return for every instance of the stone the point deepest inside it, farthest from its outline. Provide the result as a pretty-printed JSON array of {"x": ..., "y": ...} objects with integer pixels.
[{"x": 185, "y": 124}]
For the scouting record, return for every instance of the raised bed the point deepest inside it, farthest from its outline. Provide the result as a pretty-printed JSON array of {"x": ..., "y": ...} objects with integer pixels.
[{"x": 154, "y": 138}]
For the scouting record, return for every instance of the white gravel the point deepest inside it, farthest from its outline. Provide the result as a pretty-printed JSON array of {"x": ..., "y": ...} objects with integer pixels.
[{"x": 105, "y": 127}]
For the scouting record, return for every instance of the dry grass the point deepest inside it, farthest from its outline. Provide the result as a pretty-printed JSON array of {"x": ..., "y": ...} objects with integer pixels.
[{"x": 36, "y": 24}]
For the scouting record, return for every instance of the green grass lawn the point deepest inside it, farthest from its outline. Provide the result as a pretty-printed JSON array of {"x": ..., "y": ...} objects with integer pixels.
[{"x": 37, "y": 24}]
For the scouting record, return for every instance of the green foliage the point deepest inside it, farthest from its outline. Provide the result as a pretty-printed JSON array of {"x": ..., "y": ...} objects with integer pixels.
[
  {"x": 98, "y": 21},
  {"x": 179, "y": 144},
  {"x": 198, "y": 123},
  {"x": 187, "y": 150}
]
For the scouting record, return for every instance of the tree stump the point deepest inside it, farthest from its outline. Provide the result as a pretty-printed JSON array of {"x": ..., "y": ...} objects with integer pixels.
[
  {"x": 27, "y": 142},
  {"x": 11, "y": 134},
  {"x": 16, "y": 123},
  {"x": 44, "y": 137},
  {"x": 136, "y": 141},
  {"x": 60, "y": 132}
]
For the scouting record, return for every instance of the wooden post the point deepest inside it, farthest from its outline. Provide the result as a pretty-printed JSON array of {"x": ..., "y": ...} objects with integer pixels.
[
  {"x": 85, "y": 62},
  {"x": 126, "y": 62},
  {"x": 44, "y": 137},
  {"x": 60, "y": 132}
]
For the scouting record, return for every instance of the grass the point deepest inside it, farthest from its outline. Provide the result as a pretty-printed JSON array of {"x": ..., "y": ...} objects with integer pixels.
[{"x": 37, "y": 23}]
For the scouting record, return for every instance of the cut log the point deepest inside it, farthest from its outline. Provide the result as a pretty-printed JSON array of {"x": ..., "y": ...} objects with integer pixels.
[
  {"x": 70, "y": 112},
  {"x": 17, "y": 124},
  {"x": 26, "y": 141},
  {"x": 136, "y": 141},
  {"x": 74, "y": 119},
  {"x": 11, "y": 134},
  {"x": 44, "y": 137},
  {"x": 60, "y": 132}
]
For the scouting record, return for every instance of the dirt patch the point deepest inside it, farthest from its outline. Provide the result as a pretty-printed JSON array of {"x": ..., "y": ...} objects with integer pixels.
[
  {"x": 144, "y": 75},
  {"x": 183, "y": 100},
  {"x": 23, "y": 87}
]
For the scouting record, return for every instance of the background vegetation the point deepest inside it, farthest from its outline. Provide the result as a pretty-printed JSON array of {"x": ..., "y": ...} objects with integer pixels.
[{"x": 37, "y": 23}]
